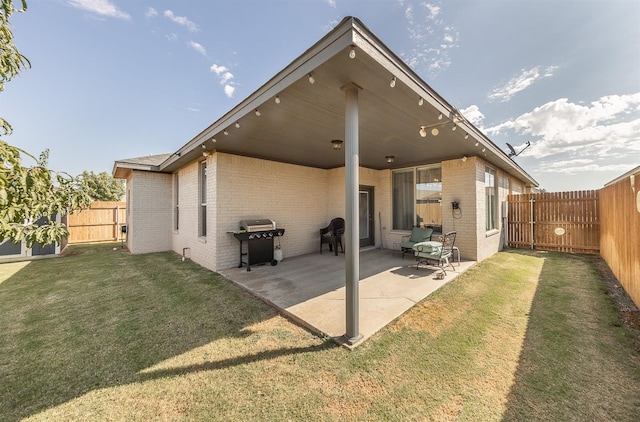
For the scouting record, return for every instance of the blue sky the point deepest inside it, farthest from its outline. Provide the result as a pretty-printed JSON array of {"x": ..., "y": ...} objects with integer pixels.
[{"x": 114, "y": 79}]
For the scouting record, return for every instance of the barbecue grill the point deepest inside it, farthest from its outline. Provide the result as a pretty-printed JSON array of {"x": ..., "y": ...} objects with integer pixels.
[{"x": 258, "y": 234}]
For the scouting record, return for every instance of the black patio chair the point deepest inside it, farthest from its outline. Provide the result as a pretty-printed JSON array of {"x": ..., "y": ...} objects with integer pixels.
[{"x": 332, "y": 235}]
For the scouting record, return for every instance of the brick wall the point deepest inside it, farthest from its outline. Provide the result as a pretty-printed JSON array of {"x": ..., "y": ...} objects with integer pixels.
[
  {"x": 148, "y": 212},
  {"x": 459, "y": 184}
]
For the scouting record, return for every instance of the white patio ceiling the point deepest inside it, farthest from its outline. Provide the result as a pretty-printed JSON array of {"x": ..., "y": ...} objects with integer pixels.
[{"x": 299, "y": 128}]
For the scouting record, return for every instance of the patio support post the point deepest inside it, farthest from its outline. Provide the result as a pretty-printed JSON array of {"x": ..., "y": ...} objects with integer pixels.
[{"x": 352, "y": 232}]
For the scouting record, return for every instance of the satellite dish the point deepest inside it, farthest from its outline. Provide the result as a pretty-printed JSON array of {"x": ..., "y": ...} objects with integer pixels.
[{"x": 512, "y": 151}]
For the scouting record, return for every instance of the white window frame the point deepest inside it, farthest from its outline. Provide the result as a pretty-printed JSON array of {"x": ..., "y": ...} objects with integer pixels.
[
  {"x": 491, "y": 199},
  {"x": 202, "y": 199}
]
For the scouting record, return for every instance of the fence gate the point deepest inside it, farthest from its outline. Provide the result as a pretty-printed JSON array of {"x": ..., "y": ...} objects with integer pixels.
[
  {"x": 101, "y": 222},
  {"x": 559, "y": 221}
]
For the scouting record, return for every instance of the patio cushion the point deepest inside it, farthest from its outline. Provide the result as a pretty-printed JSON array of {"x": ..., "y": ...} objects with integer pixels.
[{"x": 429, "y": 247}]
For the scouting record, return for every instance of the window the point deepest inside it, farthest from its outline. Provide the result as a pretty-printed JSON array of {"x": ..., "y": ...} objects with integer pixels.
[
  {"x": 417, "y": 197},
  {"x": 202, "y": 211},
  {"x": 490, "y": 198},
  {"x": 176, "y": 201}
]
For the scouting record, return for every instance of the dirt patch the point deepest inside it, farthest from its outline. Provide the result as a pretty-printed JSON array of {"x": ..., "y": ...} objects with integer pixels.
[{"x": 627, "y": 310}]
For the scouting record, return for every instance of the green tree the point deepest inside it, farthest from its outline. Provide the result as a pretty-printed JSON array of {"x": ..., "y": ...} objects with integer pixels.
[
  {"x": 29, "y": 193},
  {"x": 102, "y": 186}
]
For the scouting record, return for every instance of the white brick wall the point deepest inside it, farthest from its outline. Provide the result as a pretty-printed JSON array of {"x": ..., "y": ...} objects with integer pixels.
[
  {"x": 148, "y": 212},
  {"x": 300, "y": 199}
]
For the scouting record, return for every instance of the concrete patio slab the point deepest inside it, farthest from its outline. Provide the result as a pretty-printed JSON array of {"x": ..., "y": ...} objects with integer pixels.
[{"x": 310, "y": 290}]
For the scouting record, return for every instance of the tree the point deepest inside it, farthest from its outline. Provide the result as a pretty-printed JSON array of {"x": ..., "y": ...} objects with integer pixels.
[
  {"x": 102, "y": 186},
  {"x": 29, "y": 193},
  {"x": 11, "y": 61}
]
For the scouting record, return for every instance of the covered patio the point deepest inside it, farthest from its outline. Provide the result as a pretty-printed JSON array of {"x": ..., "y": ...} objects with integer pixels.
[{"x": 310, "y": 289}]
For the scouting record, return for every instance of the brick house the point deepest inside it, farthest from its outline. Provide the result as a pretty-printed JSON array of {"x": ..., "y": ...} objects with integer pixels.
[{"x": 403, "y": 155}]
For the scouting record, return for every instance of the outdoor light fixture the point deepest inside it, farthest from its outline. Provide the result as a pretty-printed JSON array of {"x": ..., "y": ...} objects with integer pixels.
[
  {"x": 277, "y": 100},
  {"x": 213, "y": 140},
  {"x": 204, "y": 146},
  {"x": 205, "y": 153},
  {"x": 484, "y": 149},
  {"x": 464, "y": 158},
  {"x": 435, "y": 131},
  {"x": 421, "y": 101},
  {"x": 454, "y": 128},
  {"x": 466, "y": 136},
  {"x": 423, "y": 131},
  {"x": 237, "y": 125},
  {"x": 389, "y": 158},
  {"x": 440, "y": 116},
  {"x": 352, "y": 53},
  {"x": 337, "y": 144},
  {"x": 477, "y": 143},
  {"x": 312, "y": 80},
  {"x": 225, "y": 132},
  {"x": 393, "y": 82},
  {"x": 257, "y": 112}
]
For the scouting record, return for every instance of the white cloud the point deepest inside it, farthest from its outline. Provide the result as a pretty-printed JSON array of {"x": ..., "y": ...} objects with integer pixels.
[
  {"x": 150, "y": 12},
  {"x": 229, "y": 90},
  {"x": 197, "y": 47},
  {"x": 181, "y": 20},
  {"x": 607, "y": 128},
  {"x": 579, "y": 165},
  {"x": 100, "y": 7},
  {"x": 218, "y": 69},
  {"x": 332, "y": 3},
  {"x": 434, "y": 10},
  {"x": 431, "y": 39},
  {"x": 224, "y": 77},
  {"x": 473, "y": 114},
  {"x": 520, "y": 82}
]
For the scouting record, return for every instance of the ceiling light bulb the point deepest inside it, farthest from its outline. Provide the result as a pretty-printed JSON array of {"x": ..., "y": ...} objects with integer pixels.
[
  {"x": 477, "y": 143},
  {"x": 213, "y": 140},
  {"x": 440, "y": 116},
  {"x": 277, "y": 99},
  {"x": 435, "y": 131},
  {"x": 420, "y": 101},
  {"x": 257, "y": 112},
  {"x": 237, "y": 125},
  {"x": 464, "y": 158},
  {"x": 352, "y": 53},
  {"x": 337, "y": 144},
  {"x": 484, "y": 149},
  {"x": 225, "y": 132},
  {"x": 423, "y": 131},
  {"x": 393, "y": 82},
  {"x": 204, "y": 146},
  {"x": 454, "y": 128},
  {"x": 312, "y": 80},
  {"x": 389, "y": 158},
  {"x": 466, "y": 136}
]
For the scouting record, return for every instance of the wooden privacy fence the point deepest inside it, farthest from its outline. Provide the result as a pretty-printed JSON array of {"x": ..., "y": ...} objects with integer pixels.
[
  {"x": 560, "y": 221},
  {"x": 102, "y": 222},
  {"x": 620, "y": 232}
]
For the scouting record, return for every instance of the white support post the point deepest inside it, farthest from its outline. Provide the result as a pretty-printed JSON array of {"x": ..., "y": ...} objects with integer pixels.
[{"x": 352, "y": 235}]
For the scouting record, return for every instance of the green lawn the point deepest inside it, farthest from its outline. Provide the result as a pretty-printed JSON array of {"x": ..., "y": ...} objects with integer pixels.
[{"x": 103, "y": 335}]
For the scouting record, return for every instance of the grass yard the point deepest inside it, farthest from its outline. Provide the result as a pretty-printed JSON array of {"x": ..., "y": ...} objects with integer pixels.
[{"x": 103, "y": 335}]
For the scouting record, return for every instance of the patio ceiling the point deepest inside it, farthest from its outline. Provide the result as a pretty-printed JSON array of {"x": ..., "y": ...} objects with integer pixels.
[{"x": 299, "y": 128}]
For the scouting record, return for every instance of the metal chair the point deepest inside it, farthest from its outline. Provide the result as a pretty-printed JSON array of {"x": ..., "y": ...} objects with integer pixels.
[
  {"x": 418, "y": 234},
  {"x": 332, "y": 234},
  {"x": 436, "y": 253}
]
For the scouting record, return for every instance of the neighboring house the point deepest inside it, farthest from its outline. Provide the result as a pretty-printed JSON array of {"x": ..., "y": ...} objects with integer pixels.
[{"x": 406, "y": 154}]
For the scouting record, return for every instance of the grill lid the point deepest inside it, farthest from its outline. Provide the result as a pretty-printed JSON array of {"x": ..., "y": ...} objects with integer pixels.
[{"x": 257, "y": 225}]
